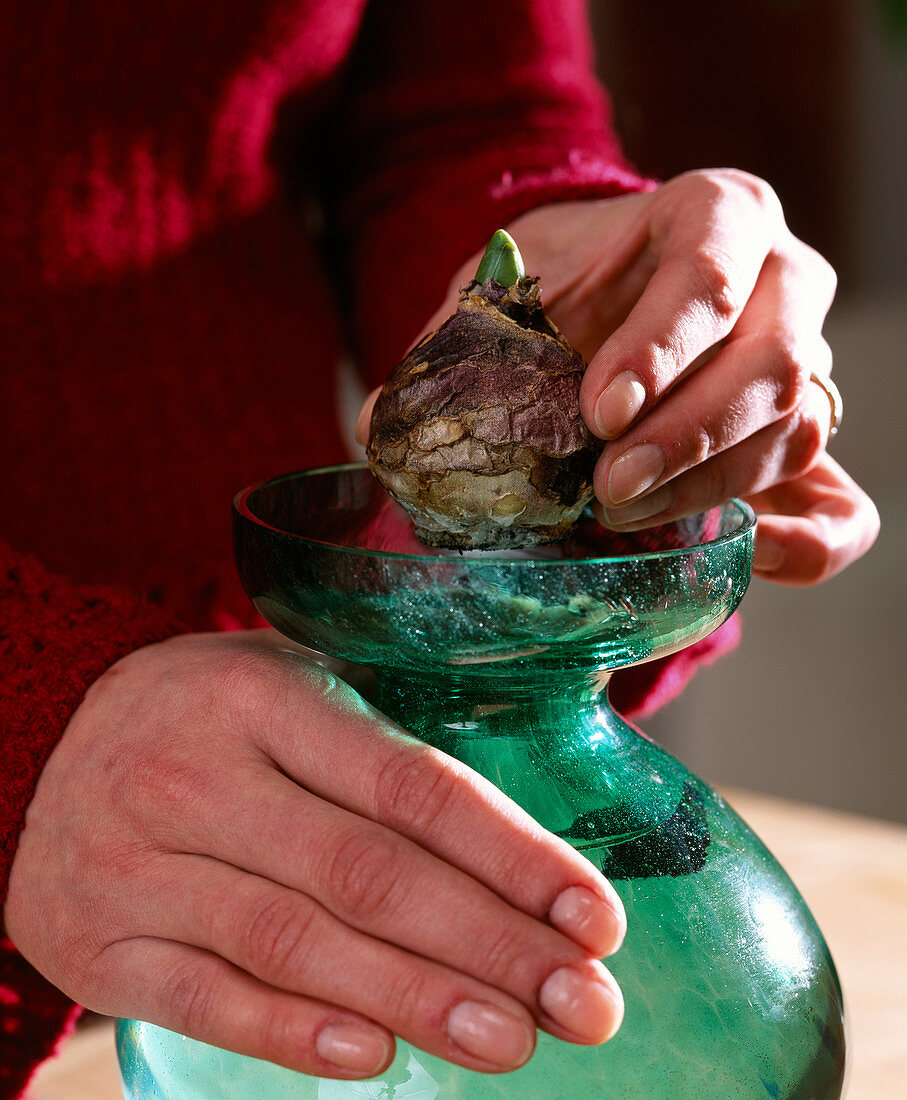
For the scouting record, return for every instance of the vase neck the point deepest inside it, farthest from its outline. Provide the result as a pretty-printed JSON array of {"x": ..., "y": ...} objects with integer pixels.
[
  {"x": 471, "y": 701},
  {"x": 555, "y": 746}
]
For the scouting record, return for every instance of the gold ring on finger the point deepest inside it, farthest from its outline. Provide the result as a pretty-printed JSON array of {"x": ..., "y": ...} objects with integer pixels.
[{"x": 833, "y": 394}]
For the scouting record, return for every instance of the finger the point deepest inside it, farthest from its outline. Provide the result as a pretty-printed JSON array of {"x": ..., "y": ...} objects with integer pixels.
[
  {"x": 784, "y": 450},
  {"x": 195, "y": 993},
  {"x": 374, "y": 881},
  {"x": 325, "y": 738},
  {"x": 288, "y": 940},
  {"x": 711, "y": 235},
  {"x": 812, "y": 527},
  {"x": 796, "y": 287},
  {"x": 751, "y": 383},
  {"x": 329, "y": 741},
  {"x": 759, "y": 375}
]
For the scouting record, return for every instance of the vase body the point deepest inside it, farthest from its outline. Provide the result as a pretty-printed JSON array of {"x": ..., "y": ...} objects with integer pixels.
[{"x": 729, "y": 987}]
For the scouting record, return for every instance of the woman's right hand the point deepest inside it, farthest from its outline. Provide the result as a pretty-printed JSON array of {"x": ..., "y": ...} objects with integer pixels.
[{"x": 230, "y": 843}]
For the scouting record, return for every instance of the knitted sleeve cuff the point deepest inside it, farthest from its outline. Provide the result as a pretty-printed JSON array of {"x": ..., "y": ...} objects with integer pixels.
[{"x": 55, "y": 640}]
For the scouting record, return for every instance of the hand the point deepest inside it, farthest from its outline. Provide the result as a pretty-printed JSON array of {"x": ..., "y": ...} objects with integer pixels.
[
  {"x": 700, "y": 315},
  {"x": 230, "y": 843}
]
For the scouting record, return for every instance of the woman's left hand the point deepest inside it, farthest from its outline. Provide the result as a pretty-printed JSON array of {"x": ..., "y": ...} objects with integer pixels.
[{"x": 701, "y": 315}]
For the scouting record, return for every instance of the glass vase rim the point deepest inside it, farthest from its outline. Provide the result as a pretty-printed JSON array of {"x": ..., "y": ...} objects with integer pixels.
[{"x": 241, "y": 507}]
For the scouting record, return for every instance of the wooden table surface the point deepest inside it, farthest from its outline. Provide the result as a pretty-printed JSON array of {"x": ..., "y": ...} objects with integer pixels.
[{"x": 852, "y": 872}]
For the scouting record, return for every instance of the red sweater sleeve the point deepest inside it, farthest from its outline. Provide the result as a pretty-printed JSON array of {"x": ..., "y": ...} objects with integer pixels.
[
  {"x": 55, "y": 640},
  {"x": 454, "y": 122}
]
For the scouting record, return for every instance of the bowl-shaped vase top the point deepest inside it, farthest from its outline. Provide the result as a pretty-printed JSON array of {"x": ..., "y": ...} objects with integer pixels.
[{"x": 332, "y": 561}]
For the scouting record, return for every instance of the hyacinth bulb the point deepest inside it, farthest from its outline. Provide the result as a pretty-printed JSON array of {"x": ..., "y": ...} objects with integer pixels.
[{"x": 477, "y": 433}]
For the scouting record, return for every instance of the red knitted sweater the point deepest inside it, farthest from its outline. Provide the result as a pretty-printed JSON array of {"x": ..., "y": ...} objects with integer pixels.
[{"x": 204, "y": 208}]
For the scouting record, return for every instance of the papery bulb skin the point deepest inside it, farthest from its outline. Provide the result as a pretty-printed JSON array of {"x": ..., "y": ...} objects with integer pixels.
[{"x": 478, "y": 432}]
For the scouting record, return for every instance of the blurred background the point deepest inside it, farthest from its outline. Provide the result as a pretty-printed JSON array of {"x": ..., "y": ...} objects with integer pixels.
[{"x": 812, "y": 96}]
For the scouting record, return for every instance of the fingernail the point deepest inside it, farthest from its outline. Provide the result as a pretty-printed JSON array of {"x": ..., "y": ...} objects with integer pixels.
[
  {"x": 619, "y": 404},
  {"x": 354, "y": 1047},
  {"x": 635, "y": 471},
  {"x": 593, "y": 923},
  {"x": 588, "y": 1004},
  {"x": 488, "y": 1032},
  {"x": 652, "y": 505},
  {"x": 768, "y": 555}
]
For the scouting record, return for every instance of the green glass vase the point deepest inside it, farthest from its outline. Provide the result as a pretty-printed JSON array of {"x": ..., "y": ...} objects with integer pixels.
[{"x": 503, "y": 662}]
